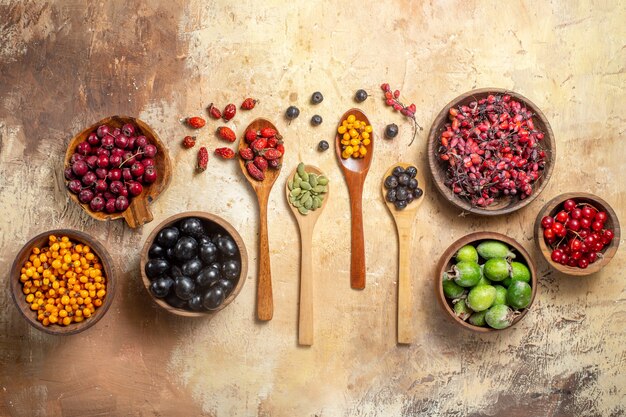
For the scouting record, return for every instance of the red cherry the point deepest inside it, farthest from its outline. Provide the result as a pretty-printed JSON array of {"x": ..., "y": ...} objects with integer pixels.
[
  {"x": 548, "y": 234},
  {"x": 547, "y": 222},
  {"x": 576, "y": 213},
  {"x": 562, "y": 217},
  {"x": 585, "y": 223},
  {"x": 597, "y": 226},
  {"x": 564, "y": 259},
  {"x": 577, "y": 255},
  {"x": 583, "y": 233},
  {"x": 557, "y": 255},
  {"x": 592, "y": 257},
  {"x": 571, "y": 262},
  {"x": 590, "y": 240},
  {"x": 598, "y": 246},
  {"x": 588, "y": 212},
  {"x": 569, "y": 205},
  {"x": 573, "y": 224},
  {"x": 559, "y": 229},
  {"x": 575, "y": 244},
  {"x": 583, "y": 263}
]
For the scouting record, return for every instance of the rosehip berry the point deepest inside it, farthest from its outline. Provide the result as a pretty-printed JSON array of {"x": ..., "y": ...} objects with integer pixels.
[
  {"x": 248, "y": 104},
  {"x": 229, "y": 112},
  {"x": 214, "y": 112},
  {"x": 189, "y": 142},
  {"x": 196, "y": 122},
  {"x": 225, "y": 153}
]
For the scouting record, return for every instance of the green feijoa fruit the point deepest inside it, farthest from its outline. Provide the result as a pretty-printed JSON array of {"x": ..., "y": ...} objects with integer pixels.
[
  {"x": 499, "y": 316},
  {"x": 303, "y": 210},
  {"x": 305, "y": 185},
  {"x": 506, "y": 282},
  {"x": 319, "y": 189},
  {"x": 467, "y": 253},
  {"x": 518, "y": 295},
  {"x": 496, "y": 269},
  {"x": 322, "y": 181},
  {"x": 451, "y": 289},
  {"x": 466, "y": 274},
  {"x": 296, "y": 192},
  {"x": 519, "y": 272},
  {"x": 483, "y": 278},
  {"x": 500, "y": 295},
  {"x": 461, "y": 310},
  {"x": 313, "y": 180},
  {"x": 478, "y": 318},
  {"x": 290, "y": 184},
  {"x": 494, "y": 249},
  {"x": 481, "y": 297}
]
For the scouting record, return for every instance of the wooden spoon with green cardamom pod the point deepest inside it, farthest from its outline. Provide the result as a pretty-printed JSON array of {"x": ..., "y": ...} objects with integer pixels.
[{"x": 307, "y": 193}]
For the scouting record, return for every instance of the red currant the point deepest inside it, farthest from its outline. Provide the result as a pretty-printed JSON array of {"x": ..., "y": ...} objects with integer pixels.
[
  {"x": 583, "y": 233},
  {"x": 576, "y": 213},
  {"x": 575, "y": 244},
  {"x": 592, "y": 257},
  {"x": 601, "y": 217},
  {"x": 577, "y": 255},
  {"x": 590, "y": 240},
  {"x": 573, "y": 224},
  {"x": 608, "y": 235},
  {"x": 569, "y": 205},
  {"x": 548, "y": 234},
  {"x": 559, "y": 229},
  {"x": 583, "y": 263},
  {"x": 564, "y": 259},
  {"x": 571, "y": 262}
]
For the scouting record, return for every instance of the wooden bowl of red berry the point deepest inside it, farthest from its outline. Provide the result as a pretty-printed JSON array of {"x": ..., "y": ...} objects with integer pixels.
[
  {"x": 115, "y": 168},
  {"x": 577, "y": 233},
  {"x": 491, "y": 151},
  {"x": 194, "y": 264},
  {"x": 62, "y": 281},
  {"x": 486, "y": 282}
]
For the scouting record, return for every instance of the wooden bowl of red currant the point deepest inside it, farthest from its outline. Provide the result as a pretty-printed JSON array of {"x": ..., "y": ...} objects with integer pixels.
[
  {"x": 577, "y": 233},
  {"x": 491, "y": 151},
  {"x": 115, "y": 168}
]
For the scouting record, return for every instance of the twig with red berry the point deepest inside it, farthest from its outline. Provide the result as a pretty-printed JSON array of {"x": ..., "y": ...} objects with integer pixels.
[{"x": 392, "y": 100}]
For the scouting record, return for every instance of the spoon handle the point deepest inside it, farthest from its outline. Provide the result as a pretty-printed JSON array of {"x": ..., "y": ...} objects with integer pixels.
[
  {"x": 265, "y": 304},
  {"x": 405, "y": 321},
  {"x": 357, "y": 261},
  {"x": 305, "y": 322}
]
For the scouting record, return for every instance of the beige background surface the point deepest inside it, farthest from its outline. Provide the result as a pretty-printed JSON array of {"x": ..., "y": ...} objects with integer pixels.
[{"x": 64, "y": 66}]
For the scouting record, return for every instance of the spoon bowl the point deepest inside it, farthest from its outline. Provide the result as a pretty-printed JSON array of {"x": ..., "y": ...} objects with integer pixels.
[
  {"x": 265, "y": 304},
  {"x": 306, "y": 224},
  {"x": 404, "y": 221},
  {"x": 355, "y": 171}
]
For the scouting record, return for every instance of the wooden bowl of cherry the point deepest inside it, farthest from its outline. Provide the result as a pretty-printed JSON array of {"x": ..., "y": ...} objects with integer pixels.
[
  {"x": 505, "y": 203},
  {"x": 137, "y": 212},
  {"x": 41, "y": 240},
  {"x": 554, "y": 206}
]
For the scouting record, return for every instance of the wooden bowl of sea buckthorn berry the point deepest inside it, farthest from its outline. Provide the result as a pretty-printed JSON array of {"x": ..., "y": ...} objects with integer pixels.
[{"x": 62, "y": 281}]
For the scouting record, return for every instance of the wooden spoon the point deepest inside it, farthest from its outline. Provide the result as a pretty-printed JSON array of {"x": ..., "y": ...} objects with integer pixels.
[
  {"x": 404, "y": 220},
  {"x": 306, "y": 223},
  {"x": 265, "y": 305},
  {"x": 355, "y": 171}
]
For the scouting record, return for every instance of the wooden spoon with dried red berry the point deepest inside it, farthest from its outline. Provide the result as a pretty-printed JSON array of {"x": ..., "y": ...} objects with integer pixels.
[{"x": 261, "y": 152}]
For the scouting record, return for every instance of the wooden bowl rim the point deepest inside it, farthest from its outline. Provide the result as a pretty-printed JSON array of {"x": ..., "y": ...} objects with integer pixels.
[
  {"x": 435, "y": 166},
  {"x": 107, "y": 264},
  {"x": 151, "y": 192},
  {"x": 205, "y": 216},
  {"x": 445, "y": 259},
  {"x": 608, "y": 253}
]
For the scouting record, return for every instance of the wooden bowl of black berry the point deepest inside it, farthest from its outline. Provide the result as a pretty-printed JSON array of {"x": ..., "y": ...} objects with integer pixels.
[
  {"x": 194, "y": 264},
  {"x": 491, "y": 151},
  {"x": 115, "y": 168}
]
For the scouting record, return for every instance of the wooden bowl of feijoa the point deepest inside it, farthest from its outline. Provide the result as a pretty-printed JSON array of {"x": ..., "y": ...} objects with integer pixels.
[
  {"x": 486, "y": 282},
  {"x": 194, "y": 264},
  {"x": 115, "y": 168},
  {"x": 63, "y": 281},
  {"x": 491, "y": 151},
  {"x": 577, "y": 233}
]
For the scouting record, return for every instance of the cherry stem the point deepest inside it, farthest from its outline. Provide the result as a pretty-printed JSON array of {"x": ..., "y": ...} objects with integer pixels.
[{"x": 131, "y": 157}]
